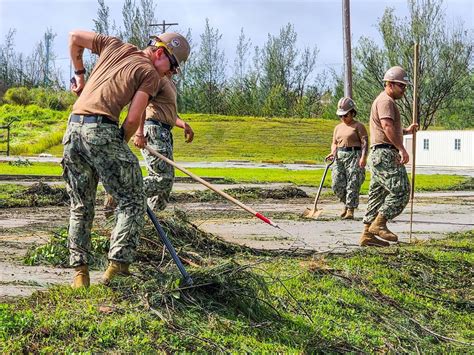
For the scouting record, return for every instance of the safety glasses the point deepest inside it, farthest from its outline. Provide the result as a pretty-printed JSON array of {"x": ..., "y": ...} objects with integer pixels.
[
  {"x": 174, "y": 65},
  {"x": 401, "y": 86},
  {"x": 173, "y": 62}
]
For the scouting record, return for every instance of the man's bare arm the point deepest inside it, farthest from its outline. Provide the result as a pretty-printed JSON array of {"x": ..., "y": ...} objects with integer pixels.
[
  {"x": 139, "y": 140},
  {"x": 78, "y": 41},
  {"x": 389, "y": 130},
  {"x": 365, "y": 146},
  {"x": 365, "y": 150},
  {"x": 135, "y": 114},
  {"x": 332, "y": 155},
  {"x": 188, "y": 131}
]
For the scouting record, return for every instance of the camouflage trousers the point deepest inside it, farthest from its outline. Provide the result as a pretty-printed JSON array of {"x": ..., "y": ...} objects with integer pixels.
[
  {"x": 347, "y": 177},
  {"x": 389, "y": 189},
  {"x": 96, "y": 151},
  {"x": 159, "y": 182}
]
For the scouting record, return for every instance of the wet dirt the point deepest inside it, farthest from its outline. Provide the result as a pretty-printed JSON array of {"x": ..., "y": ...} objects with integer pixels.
[
  {"x": 20, "y": 230},
  {"x": 434, "y": 215}
]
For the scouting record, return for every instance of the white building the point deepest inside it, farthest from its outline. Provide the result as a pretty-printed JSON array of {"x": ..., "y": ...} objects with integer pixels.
[{"x": 442, "y": 148}]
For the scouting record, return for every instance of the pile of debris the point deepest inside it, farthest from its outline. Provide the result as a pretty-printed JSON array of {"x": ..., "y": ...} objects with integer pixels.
[
  {"x": 241, "y": 193},
  {"x": 41, "y": 194}
]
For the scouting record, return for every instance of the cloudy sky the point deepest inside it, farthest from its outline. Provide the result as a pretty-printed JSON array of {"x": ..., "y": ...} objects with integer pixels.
[{"x": 317, "y": 22}]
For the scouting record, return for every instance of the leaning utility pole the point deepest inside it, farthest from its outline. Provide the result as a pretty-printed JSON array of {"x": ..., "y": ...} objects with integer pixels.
[
  {"x": 346, "y": 24},
  {"x": 164, "y": 26}
]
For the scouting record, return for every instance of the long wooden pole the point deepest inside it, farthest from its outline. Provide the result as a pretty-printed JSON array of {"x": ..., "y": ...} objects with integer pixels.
[
  {"x": 413, "y": 142},
  {"x": 213, "y": 188}
]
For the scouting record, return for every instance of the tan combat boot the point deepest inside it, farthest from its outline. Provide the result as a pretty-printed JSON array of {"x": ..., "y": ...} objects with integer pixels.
[
  {"x": 368, "y": 239},
  {"x": 81, "y": 279},
  {"x": 109, "y": 206},
  {"x": 379, "y": 227},
  {"x": 349, "y": 214},
  {"x": 115, "y": 268},
  {"x": 343, "y": 212}
]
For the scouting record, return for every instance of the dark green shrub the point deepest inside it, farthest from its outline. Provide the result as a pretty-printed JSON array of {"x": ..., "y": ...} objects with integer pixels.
[
  {"x": 59, "y": 100},
  {"x": 18, "y": 96}
]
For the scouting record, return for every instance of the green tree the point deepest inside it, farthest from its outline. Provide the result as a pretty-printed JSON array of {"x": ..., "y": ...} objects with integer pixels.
[
  {"x": 278, "y": 62},
  {"x": 10, "y": 71},
  {"x": 460, "y": 114},
  {"x": 445, "y": 60},
  {"x": 103, "y": 23},
  {"x": 241, "y": 57},
  {"x": 39, "y": 69},
  {"x": 136, "y": 21},
  {"x": 184, "y": 79},
  {"x": 239, "y": 85},
  {"x": 207, "y": 72},
  {"x": 285, "y": 68}
]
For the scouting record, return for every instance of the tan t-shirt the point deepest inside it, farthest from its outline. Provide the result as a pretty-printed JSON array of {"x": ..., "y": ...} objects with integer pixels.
[
  {"x": 349, "y": 135},
  {"x": 383, "y": 107},
  {"x": 121, "y": 70},
  {"x": 162, "y": 107}
]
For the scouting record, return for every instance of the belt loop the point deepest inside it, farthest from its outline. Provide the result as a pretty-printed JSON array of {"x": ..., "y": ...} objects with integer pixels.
[
  {"x": 81, "y": 121},
  {"x": 99, "y": 120}
]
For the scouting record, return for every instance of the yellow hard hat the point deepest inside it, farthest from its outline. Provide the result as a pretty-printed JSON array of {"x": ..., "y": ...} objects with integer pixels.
[{"x": 175, "y": 44}]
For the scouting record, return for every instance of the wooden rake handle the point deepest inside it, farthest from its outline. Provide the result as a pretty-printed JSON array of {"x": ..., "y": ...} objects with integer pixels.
[
  {"x": 212, "y": 187},
  {"x": 316, "y": 199}
]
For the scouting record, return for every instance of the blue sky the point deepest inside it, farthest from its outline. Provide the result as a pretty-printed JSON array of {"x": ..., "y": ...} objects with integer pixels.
[{"x": 317, "y": 22}]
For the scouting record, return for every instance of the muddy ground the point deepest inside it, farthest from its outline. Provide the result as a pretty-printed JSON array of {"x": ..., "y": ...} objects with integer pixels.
[{"x": 435, "y": 214}]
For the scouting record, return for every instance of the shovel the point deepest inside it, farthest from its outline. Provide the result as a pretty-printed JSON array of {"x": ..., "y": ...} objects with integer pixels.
[{"x": 315, "y": 212}]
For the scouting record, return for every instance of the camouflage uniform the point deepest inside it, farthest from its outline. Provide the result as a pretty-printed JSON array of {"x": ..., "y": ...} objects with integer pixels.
[
  {"x": 96, "y": 151},
  {"x": 159, "y": 182},
  {"x": 347, "y": 177},
  {"x": 389, "y": 190}
]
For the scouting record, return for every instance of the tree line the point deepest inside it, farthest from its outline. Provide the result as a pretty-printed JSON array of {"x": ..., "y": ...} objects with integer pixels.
[{"x": 278, "y": 78}]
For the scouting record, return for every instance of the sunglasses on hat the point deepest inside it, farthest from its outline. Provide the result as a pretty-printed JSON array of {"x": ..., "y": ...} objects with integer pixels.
[{"x": 173, "y": 62}]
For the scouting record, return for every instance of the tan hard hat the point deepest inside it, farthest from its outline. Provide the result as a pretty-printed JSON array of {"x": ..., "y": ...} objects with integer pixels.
[
  {"x": 345, "y": 105},
  {"x": 397, "y": 74},
  {"x": 176, "y": 45}
]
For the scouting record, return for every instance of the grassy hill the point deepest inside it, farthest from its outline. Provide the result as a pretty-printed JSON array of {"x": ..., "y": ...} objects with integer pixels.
[
  {"x": 36, "y": 129},
  {"x": 217, "y": 138}
]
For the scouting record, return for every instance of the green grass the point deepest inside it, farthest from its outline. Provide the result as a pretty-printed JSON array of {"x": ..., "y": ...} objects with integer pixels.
[
  {"x": 47, "y": 169},
  {"x": 8, "y": 192},
  {"x": 221, "y": 138},
  {"x": 37, "y": 129},
  {"x": 258, "y": 139},
  {"x": 256, "y": 175},
  {"x": 400, "y": 299}
]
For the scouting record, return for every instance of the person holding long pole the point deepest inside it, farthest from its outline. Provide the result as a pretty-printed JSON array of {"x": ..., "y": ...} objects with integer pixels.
[{"x": 389, "y": 189}]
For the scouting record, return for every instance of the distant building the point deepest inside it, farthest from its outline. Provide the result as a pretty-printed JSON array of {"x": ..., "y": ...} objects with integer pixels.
[{"x": 442, "y": 148}]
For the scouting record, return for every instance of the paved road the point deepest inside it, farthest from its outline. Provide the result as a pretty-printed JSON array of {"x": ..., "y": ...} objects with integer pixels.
[{"x": 427, "y": 170}]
